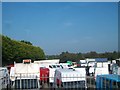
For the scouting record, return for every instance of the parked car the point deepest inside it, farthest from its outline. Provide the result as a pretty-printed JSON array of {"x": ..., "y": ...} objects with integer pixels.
[{"x": 70, "y": 78}]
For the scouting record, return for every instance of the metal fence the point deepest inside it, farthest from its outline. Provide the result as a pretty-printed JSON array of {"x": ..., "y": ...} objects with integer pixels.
[
  {"x": 90, "y": 81},
  {"x": 36, "y": 82},
  {"x": 4, "y": 82},
  {"x": 41, "y": 83}
]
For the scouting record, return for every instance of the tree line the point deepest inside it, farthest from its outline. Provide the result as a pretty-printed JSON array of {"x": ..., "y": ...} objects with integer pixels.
[
  {"x": 13, "y": 50},
  {"x": 75, "y": 57}
]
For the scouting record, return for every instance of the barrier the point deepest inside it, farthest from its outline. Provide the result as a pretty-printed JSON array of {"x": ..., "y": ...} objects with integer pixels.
[
  {"x": 110, "y": 82},
  {"x": 32, "y": 82}
]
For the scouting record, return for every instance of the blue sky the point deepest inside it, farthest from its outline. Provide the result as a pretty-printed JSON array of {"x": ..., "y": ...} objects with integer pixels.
[{"x": 58, "y": 27}]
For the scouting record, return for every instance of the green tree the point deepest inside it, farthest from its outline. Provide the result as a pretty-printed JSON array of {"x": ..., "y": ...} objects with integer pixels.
[
  {"x": 27, "y": 42},
  {"x": 13, "y": 50}
]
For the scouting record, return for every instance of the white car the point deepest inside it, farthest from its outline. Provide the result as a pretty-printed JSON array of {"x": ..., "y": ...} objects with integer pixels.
[{"x": 70, "y": 78}]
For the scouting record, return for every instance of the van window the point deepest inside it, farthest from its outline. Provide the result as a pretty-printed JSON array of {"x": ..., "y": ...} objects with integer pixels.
[
  {"x": 69, "y": 65},
  {"x": 54, "y": 66},
  {"x": 50, "y": 66},
  {"x": 58, "y": 66},
  {"x": 61, "y": 66}
]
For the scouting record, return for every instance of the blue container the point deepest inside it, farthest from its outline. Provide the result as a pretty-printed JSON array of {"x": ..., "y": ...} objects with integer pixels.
[{"x": 108, "y": 82}]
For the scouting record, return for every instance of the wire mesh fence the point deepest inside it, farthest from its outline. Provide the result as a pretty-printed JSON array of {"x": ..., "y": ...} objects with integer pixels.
[
  {"x": 4, "y": 82},
  {"x": 35, "y": 82},
  {"x": 90, "y": 81},
  {"x": 31, "y": 82},
  {"x": 24, "y": 81}
]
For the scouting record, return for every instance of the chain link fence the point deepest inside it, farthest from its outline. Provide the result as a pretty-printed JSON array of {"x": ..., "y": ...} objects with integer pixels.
[
  {"x": 31, "y": 82},
  {"x": 34, "y": 82},
  {"x": 4, "y": 82}
]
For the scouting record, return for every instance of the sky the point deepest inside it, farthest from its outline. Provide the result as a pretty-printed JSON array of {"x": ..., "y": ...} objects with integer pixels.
[{"x": 63, "y": 26}]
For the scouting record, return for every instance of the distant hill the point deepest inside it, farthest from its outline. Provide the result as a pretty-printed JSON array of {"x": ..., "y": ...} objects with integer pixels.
[{"x": 13, "y": 50}]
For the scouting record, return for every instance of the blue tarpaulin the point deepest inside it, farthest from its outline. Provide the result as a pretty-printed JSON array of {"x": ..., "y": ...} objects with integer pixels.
[
  {"x": 110, "y": 78},
  {"x": 101, "y": 59}
]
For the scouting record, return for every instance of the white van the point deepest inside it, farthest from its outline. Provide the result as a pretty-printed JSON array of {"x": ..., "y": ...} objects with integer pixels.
[
  {"x": 25, "y": 76},
  {"x": 70, "y": 78},
  {"x": 52, "y": 69}
]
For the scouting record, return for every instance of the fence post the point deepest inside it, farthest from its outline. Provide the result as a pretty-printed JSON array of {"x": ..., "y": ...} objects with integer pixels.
[
  {"x": 20, "y": 82},
  {"x": 86, "y": 82}
]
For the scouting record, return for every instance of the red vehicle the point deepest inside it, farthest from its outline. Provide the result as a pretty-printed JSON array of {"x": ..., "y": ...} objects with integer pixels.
[{"x": 44, "y": 75}]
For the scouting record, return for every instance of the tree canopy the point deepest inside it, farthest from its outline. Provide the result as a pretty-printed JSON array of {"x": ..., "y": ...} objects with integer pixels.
[
  {"x": 26, "y": 42},
  {"x": 13, "y": 50},
  {"x": 75, "y": 57}
]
